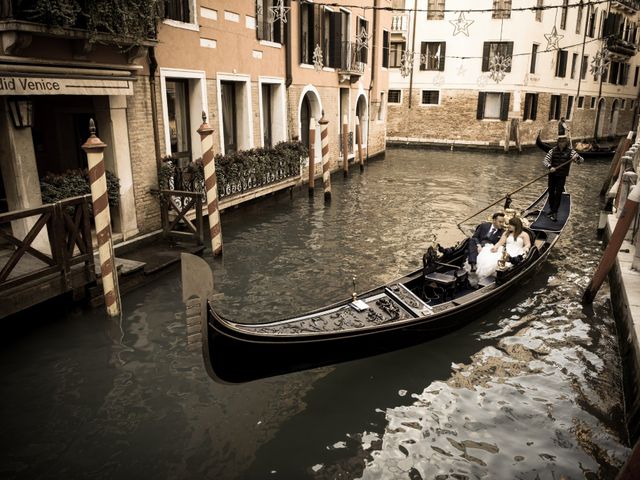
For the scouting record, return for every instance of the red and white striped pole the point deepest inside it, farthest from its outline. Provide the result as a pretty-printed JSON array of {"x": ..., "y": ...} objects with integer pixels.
[
  {"x": 312, "y": 156},
  {"x": 345, "y": 145},
  {"x": 326, "y": 168},
  {"x": 94, "y": 147},
  {"x": 359, "y": 140},
  {"x": 211, "y": 185}
]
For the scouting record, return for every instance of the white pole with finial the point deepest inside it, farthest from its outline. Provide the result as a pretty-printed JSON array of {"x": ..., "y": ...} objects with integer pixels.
[{"x": 94, "y": 147}]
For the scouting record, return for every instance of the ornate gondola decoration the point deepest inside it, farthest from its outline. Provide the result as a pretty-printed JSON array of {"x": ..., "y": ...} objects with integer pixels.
[{"x": 428, "y": 302}]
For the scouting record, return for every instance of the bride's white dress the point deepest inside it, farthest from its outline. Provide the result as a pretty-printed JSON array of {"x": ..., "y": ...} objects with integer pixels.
[{"x": 487, "y": 261}]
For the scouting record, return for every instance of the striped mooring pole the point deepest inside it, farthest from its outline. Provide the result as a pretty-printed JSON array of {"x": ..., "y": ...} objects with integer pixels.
[
  {"x": 94, "y": 147},
  {"x": 312, "y": 156},
  {"x": 326, "y": 168},
  {"x": 345, "y": 145},
  {"x": 359, "y": 140},
  {"x": 211, "y": 185}
]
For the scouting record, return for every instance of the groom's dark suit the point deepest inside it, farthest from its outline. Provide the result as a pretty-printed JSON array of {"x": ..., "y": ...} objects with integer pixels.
[{"x": 482, "y": 236}]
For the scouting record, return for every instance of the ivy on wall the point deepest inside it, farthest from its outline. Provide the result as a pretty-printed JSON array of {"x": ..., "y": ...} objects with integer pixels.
[{"x": 130, "y": 22}]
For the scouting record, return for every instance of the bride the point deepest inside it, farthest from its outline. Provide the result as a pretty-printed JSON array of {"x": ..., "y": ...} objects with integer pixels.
[{"x": 515, "y": 240}]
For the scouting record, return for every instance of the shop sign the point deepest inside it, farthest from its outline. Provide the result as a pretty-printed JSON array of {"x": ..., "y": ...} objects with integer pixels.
[{"x": 17, "y": 85}]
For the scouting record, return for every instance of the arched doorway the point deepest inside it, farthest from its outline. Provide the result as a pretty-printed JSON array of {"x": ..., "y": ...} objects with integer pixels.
[
  {"x": 362, "y": 117},
  {"x": 309, "y": 109},
  {"x": 599, "y": 130},
  {"x": 613, "y": 120}
]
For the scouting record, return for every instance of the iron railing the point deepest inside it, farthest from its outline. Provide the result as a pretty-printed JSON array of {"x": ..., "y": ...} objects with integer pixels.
[{"x": 351, "y": 58}]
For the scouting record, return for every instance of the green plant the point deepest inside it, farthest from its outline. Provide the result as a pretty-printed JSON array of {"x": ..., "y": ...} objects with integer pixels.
[{"x": 72, "y": 183}]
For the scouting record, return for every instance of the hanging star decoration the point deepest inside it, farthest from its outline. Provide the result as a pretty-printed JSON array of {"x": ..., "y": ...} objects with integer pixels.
[
  {"x": 317, "y": 58},
  {"x": 461, "y": 25},
  {"x": 499, "y": 65},
  {"x": 600, "y": 62},
  {"x": 461, "y": 69},
  {"x": 553, "y": 38},
  {"x": 362, "y": 39},
  {"x": 278, "y": 12},
  {"x": 406, "y": 64},
  {"x": 438, "y": 79},
  {"x": 482, "y": 81}
]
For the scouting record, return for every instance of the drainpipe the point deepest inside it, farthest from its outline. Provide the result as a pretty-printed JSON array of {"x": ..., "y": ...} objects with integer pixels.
[
  {"x": 153, "y": 68},
  {"x": 584, "y": 41},
  {"x": 287, "y": 61},
  {"x": 595, "y": 129},
  {"x": 413, "y": 46},
  {"x": 373, "y": 70}
]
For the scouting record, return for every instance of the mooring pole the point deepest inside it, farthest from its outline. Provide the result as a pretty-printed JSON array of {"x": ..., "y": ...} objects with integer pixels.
[
  {"x": 359, "y": 140},
  {"x": 94, "y": 147},
  {"x": 326, "y": 168},
  {"x": 629, "y": 211},
  {"x": 312, "y": 155},
  {"x": 345, "y": 145},
  {"x": 211, "y": 185}
]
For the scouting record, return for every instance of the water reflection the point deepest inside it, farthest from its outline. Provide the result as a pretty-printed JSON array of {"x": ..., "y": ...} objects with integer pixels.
[{"x": 529, "y": 389}]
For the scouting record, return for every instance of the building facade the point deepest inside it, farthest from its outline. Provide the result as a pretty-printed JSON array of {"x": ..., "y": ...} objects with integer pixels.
[
  {"x": 483, "y": 76},
  {"x": 263, "y": 72}
]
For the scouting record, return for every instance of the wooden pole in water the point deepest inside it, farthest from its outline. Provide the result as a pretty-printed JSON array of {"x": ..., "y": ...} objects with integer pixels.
[
  {"x": 94, "y": 147},
  {"x": 623, "y": 146},
  {"x": 345, "y": 145},
  {"x": 312, "y": 156},
  {"x": 359, "y": 140},
  {"x": 629, "y": 212},
  {"x": 326, "y": 168},
  {"x": 211, "y": 185}
]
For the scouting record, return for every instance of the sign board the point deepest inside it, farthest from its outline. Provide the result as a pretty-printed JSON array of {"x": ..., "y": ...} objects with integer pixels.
[{"x": 17, "y": 85}]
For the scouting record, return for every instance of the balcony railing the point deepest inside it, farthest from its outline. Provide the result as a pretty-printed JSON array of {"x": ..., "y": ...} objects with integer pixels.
[
  {"x": 623, "y": 47},
  {"x": 631, "y": 6},
  {"x": 399, "y": 23},
  {"x": 351, "y": 59}
]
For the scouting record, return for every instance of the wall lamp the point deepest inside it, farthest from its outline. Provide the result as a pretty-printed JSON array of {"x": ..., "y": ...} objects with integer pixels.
[{"x": 21, "y": 109}]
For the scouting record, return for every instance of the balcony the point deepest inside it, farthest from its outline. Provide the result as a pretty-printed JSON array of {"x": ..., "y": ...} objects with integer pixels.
[
  {"x": 619, "y": 46},
  {"x": 628, "y": 6},
  {"x": 399, "y": 23},
  {"x": 351, "y": 64}
]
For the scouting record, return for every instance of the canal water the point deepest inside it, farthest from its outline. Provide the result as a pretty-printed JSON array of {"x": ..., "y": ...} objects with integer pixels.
[{"x": 530, "y": 390}]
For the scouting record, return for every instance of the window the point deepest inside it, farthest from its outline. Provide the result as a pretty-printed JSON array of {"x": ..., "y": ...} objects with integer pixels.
[
  {"x": 382, "y": 107},
  {"x": 563, "y": 14},
  {"x": 309, "y": 34},
  {"x": 591, "y": 23},
  {"x": 592, "y": 105},
  {"x": 534, "y": 58},
  {"x": 435, "y": 9},
  {"x": 574, "y": 61},
  {"x": 179, "y": 10},
  {"x": 430, "y": 97},
  {"x": 229, "y": 116},
  {"x": 395, "y": 55},
  {"x": 635, "y": 77},
  {"x": 267, "y": 28},
  {"x": 385, "y": 49},
  {"x": 561, "y": 63},
  {"x": 623, "y": 104},
  {"x": 539, "y": 5},
  {"x": 501, "y": 9},
  {"x": 530, "y": 106},
  {"x": 569, "y": 114},
  {"x": 324, "y": 27},
  {"x": 579, "y": 16},
  {"x": 581, "y": 101},
  {"x": 267, "y": 115},
  {"x": 583, "y": 66},
  {"x": 492, "y": 105},
  {"x": 554, "y": 107},
  {"x": 178, "y": 117},
  {"x": 491, "y": 49},
  {"x": 395, "y": 96},
  {"x": 362, "y": 53},
  {"x": 432, "y": 55}
]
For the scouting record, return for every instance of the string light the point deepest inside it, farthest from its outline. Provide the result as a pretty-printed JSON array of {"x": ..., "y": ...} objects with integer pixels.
[
  {"x": 600, "y": 62},
  {"x": 278, "y": 12},
  {"x": 317, "y": 58},
  {"x": 461, "y": 25},
  {"x": 499, "y": 65},
  {"x": 406, "y": 63}
]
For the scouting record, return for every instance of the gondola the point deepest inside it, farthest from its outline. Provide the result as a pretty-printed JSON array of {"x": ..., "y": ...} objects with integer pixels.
[
  {"x": 426, "y": 303},
  {"x": 605, "y": 153}
]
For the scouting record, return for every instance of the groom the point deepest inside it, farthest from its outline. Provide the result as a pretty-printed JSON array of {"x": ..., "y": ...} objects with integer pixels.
[{"x": 485, "y": 233}]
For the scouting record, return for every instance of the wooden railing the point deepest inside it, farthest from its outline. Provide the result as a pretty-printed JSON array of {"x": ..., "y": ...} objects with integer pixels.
[
  {"x": 174, "y": 207},
  {"x": 68, "y": 243}
]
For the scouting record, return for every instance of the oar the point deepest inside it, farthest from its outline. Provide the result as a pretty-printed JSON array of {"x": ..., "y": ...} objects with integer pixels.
[{"x": 508, "y": 195}]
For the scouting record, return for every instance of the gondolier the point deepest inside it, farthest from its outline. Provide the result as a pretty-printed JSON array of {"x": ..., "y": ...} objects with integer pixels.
[{"x": 557, "y": 161}]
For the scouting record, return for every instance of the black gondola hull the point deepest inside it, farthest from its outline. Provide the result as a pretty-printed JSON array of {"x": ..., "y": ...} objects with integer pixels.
[{"x": 604, "y": 153}]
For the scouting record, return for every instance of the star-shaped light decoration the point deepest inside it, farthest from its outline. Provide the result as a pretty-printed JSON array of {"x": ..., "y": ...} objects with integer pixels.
[
  {"x": 438, "y": 79},
  {"x": 553, "y": 38},
  {"x": 461, "y": 25},
  {"x": 317, "y": 58},
  {"x": 499, "y": 65},
  {"x": 362, "y": 39},
  {"x": 462, "y": 71},
  {"x": 600, "y": 62},
  {"x": 406, "y": 64},
  {"x": 278, "y": 12}
]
